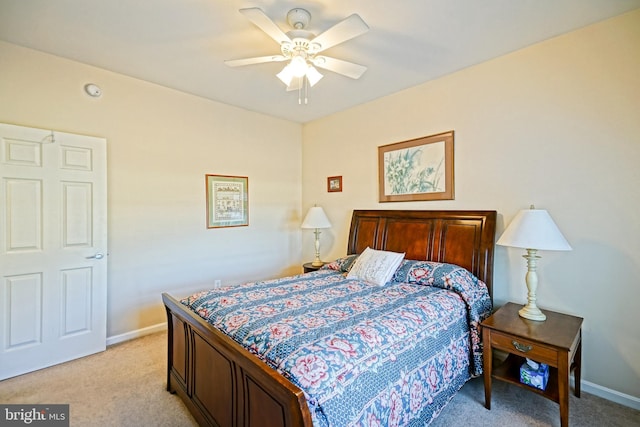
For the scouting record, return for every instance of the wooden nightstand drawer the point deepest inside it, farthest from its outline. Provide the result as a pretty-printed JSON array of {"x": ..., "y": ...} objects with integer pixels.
[{"x": 525, "y": 348}]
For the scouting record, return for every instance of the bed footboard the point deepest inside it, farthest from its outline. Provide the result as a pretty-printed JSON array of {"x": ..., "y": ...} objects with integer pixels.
[{"x": 221, "y": 383}]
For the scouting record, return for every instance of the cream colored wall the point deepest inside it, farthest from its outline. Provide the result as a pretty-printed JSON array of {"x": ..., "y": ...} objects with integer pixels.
[
  {"x": 160, "y": 145},
  {"x": 556, "y": 124}
]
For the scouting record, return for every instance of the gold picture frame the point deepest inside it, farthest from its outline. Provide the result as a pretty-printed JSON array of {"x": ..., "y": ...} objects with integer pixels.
[
  {"x": 227, "y": 201},
  {"x": 417, "y": 170}
]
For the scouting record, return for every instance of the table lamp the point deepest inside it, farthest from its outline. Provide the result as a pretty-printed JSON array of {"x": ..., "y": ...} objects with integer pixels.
[
  {"x": 533, "y": 229},
  {"x": 316, "y": 219}
]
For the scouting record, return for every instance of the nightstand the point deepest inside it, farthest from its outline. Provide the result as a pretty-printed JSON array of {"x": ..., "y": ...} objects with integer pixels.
[
  {"x": 308, "y": 267},
  {"x": 556, "y": 342}
]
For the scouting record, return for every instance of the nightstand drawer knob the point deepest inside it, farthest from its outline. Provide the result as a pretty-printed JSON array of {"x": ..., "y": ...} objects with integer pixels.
[{"x": 521, "y": 347}]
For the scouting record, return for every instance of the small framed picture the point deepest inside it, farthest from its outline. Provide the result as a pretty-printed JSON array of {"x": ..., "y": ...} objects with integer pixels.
[
  {"x": 227, "y": 201},
  {"x": 334, "y": 184}
]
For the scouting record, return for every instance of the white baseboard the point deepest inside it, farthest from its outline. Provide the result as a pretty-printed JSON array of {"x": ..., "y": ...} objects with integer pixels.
[
  {"x": 609, "y": 394},
  {"x": 136, "y": 334}
]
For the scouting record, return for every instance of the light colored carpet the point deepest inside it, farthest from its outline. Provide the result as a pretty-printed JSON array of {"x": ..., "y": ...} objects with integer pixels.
[
  {"x": 516, "y": 407},
  {"x": 125, "y": 386}
]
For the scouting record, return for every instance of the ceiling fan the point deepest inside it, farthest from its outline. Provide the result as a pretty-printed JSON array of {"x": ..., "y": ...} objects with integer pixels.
[{"x": 301, "y": 47}]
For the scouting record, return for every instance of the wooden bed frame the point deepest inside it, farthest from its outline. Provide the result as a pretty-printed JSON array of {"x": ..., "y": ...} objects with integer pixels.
[{"x": 222, "y": 384}]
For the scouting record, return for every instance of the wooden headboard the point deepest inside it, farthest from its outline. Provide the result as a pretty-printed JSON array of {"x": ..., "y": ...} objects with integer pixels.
[{"x": 465, "y": 238}]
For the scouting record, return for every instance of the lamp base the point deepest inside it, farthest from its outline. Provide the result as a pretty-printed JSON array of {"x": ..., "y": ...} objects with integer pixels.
[
  {"x": 532, "y": 313},
  {"x": 317, "y": 262},
  {"x": 531, "y": 310}
]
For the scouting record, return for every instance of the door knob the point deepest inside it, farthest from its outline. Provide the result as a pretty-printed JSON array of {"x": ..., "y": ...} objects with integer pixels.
[{"x": 96, "y": 256}]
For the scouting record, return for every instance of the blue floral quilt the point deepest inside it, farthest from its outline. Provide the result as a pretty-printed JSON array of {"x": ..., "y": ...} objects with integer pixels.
[{"x": 364, "y": 355}]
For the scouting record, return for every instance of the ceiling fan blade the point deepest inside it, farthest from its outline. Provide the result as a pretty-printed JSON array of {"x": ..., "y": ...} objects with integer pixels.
[
  {"x": 262, "y": 21},
  {"x": 350, "y": 27},
  {"x": 339, "y": 66},
  {"x": 256, "y": 60}
]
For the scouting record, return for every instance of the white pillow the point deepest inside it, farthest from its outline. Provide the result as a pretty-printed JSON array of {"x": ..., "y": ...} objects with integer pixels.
[{"x": 375, "y": 266}]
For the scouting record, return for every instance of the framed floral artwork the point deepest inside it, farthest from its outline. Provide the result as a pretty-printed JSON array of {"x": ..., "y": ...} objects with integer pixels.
[{"x": 416, "y": 170}]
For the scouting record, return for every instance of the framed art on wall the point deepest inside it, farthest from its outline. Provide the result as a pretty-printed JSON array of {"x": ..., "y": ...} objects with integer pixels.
[
  {"x": 227, "y": 201},
  {"x": 416, "y": 170},
  {"x": 334, "y": 184}
]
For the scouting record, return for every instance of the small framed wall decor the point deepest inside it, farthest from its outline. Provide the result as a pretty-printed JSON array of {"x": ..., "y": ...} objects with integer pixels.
[
  {"x": 334, "y": 184},
  {"x": 227, "y": 201},
  {"x": 416, "y": 170}
]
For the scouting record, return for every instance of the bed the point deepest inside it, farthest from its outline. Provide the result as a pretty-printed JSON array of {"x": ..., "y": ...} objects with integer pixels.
[{"x": 223, "y": 383}]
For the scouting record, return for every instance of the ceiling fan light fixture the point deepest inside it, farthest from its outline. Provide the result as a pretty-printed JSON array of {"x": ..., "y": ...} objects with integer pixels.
[
  {"x": 313, "y": 76},
  {"x": 286, "y": 75},
  {"x": 299, "y": 66}
]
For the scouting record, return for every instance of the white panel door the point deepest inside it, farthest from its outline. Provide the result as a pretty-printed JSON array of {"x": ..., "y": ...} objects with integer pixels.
[{"x": 53, "y": 246}]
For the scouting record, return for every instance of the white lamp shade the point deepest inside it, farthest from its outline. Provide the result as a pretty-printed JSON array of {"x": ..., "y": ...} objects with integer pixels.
[
  {"x": 316, "y": 218},
  {"x": 534, "y": 229}
]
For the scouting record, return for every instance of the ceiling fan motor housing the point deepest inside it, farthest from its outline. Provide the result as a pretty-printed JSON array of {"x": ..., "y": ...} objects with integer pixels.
[
  {"x": 298, "y": 18},
  {"x": 300, "y": 44}
]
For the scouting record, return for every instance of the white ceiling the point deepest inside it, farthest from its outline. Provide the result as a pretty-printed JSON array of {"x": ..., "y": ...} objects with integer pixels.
[{"x": 182, "y": 44}]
